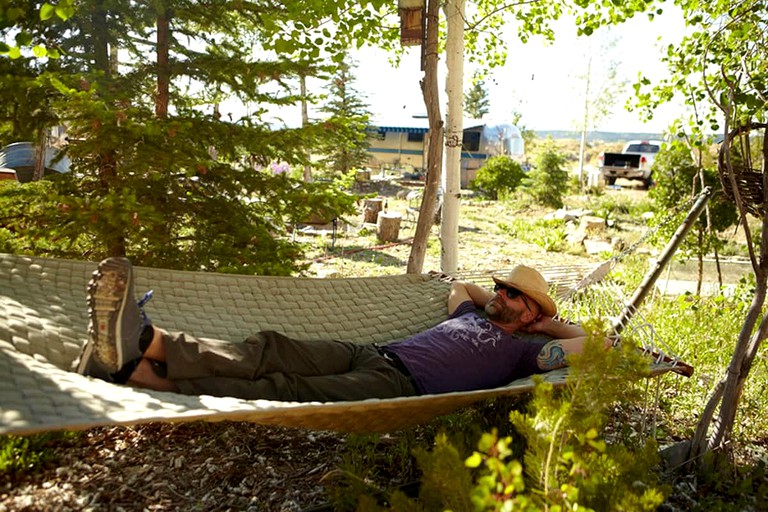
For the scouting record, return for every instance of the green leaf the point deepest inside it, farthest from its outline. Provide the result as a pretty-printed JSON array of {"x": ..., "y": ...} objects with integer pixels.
[
  {"x": 14, "y": 52},
  {"x": 474, "y": 460},
  {"x": 23, "y": 38},
  {"x": 39, "y": 51},
  {"x": 46, "y": 11},
  {"x": 282, "y": 46},
  {"x": 4, "y": 48},
  {"x": 64, "y": 12},
  {"x": 13, "y": 13}
]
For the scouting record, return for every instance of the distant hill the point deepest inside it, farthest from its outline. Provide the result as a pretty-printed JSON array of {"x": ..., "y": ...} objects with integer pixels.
[{"x": 598, "y": 136}]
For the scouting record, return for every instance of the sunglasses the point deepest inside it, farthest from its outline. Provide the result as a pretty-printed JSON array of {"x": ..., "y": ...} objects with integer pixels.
[{"x": 512, "y": 293}]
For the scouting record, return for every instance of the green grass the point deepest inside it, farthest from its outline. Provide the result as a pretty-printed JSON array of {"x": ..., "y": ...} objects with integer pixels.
[
  {"x": 21, "y": 454},
  {"x": 703, "y": 332}
]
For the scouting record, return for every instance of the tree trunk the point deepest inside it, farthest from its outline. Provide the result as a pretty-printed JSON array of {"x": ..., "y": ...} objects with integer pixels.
[
  {"x": 435, "y": 142},
  {"x": 39, "y": 169},
  {"x": 114, "y": 61},
  {"x": 736, "y": 375},
  {"x": 700, "y": 258},
  {"x": 305, "y": 122},
  {"x": 101, "y": 39},
  {"x": 114, "y": 241},
  {"x": 748, "y": 342},
  {"x": 585, "y": 124},
  {"x": 371, "y": 209},
  {"x": 449, "y": 225},
  {"x": 162, "y": 97},
  {"x": 388, "y": 226},
  {"x": 708, "y": 216}
]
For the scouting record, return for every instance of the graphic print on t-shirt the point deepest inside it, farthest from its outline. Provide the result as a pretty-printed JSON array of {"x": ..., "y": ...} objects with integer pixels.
[
  {"x": 473, "y": 330},
  {"x": 467, "y": 352}
]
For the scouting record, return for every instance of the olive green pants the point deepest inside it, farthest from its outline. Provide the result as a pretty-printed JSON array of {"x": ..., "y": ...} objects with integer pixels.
[{"x": 272, "y": 366}]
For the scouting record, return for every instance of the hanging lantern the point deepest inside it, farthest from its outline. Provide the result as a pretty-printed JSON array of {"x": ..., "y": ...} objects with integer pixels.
[{"x": 412, "y": 18}]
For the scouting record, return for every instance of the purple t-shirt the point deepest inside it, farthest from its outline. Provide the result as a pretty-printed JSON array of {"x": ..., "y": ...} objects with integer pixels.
[{"x": 467, "y": 352}]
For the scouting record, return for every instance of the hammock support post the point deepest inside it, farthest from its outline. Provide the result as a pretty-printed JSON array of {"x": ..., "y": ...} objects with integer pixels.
[{"x": 666, "y": 255}]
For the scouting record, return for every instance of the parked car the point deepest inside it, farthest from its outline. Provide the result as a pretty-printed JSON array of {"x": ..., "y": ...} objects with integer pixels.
[{"x": 635, "y": 162}]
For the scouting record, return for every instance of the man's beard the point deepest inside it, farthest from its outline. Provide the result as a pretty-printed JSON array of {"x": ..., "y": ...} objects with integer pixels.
[{"x": 499, "y": 311}]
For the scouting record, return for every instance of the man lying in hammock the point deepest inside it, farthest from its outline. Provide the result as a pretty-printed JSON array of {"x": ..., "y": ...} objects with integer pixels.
[{"x": 514, "y": 337}]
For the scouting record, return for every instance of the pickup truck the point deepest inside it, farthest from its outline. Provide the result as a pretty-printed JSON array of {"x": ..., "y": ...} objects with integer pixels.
[{"x": 634, "y": 162}]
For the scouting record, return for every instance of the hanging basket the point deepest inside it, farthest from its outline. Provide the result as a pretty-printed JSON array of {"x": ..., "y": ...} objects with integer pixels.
[{"x": 749, "y": 179}]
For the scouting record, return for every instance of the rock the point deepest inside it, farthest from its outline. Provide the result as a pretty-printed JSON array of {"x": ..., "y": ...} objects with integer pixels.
[
  {"x": 561, "y": 214},
  {"x": 592, "y": 224},
  {"x": 576, "y": 237},
  {"x": 675, "y": 455},
  {"x": 328, "y": 274},
  {"x": 597, "y": 246},
  {"x": 618, "y": 244}
]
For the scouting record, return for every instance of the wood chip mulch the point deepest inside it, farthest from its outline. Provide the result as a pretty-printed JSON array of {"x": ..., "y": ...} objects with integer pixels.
[{"x": 198, "y": 466}]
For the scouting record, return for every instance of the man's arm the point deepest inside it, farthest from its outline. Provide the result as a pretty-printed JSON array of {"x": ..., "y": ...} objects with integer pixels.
[
  {"x": 555, "y": 328},
  {"x": 569, "y": 339},
  {"x": 553, "y": 354},
  {"x": 462, "y": 292}
]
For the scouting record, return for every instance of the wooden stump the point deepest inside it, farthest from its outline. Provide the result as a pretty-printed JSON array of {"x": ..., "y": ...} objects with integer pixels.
[
  {"x": 371, "y": 209},
  {"x": 388, "y": 226}
]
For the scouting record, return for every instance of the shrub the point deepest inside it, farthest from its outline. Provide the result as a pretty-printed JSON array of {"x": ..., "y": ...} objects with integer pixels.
[
  {"x": 676, "y": 181},
  {"x": 20, "y": 455},
  {"x": 548, "y": 182},
  {"x": 171, "y": 221},
  {"x": 499, "y": 177},
  {"x": 566, "y": 464}
]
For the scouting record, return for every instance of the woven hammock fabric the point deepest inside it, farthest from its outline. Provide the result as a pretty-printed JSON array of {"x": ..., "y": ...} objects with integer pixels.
[{"x": 43, "y": 325}]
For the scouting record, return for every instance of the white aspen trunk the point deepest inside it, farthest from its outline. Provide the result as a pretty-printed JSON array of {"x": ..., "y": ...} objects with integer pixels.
[
  {"x": 449, "y": 227},
  {"x": 585, "y": 123},
  {"x": 305, "y": 122}
]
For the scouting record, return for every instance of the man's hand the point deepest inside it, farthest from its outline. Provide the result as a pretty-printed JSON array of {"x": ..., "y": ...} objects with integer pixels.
[{"x": 462, "y": 292}]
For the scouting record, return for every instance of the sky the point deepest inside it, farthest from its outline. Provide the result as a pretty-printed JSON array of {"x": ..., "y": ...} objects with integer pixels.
[{"x": 540, "y": 80}]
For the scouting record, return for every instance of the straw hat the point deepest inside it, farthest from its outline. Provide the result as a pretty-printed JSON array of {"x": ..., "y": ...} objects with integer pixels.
[{"x": 531, "y": 283}]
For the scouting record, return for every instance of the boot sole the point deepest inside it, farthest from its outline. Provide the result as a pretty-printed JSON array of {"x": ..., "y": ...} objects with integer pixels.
[{"x": 107, "y": 292}]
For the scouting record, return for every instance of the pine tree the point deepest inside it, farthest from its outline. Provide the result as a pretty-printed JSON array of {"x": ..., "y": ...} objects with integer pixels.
[
  {"x": 348, "y": 119},
  {"x": 476, "y": 101},
  {"x": 157, "y": 174}
]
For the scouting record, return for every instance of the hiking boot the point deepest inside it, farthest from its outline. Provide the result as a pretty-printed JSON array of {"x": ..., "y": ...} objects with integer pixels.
[
  {"x": 87, "y": 365},
  {"x": 116, "y": 319}
]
